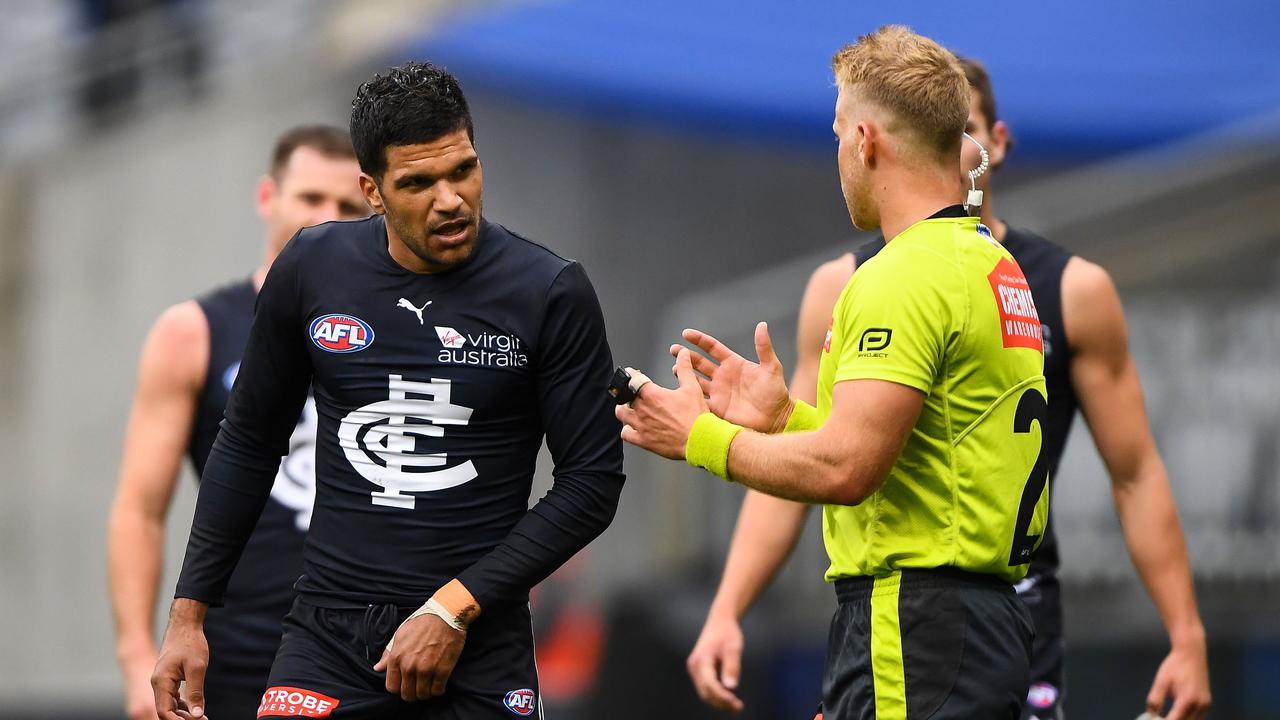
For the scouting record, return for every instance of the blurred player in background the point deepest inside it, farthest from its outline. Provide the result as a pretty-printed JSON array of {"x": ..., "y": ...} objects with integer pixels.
[
  {"x": 925, "y": 444},
  {"x": 1087, "y": 366},
  {"x": 188, "y": 364},
  {"x": 443, "y": 349}
]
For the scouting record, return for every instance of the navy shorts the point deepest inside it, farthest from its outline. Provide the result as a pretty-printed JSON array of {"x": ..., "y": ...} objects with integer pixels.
[
  {"x": 324, "y": 668},
  {"x": 1043, "y": 598},
  {"x": 242, "y": 646}
]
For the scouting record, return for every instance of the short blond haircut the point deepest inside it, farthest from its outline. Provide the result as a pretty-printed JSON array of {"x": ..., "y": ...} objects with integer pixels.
[{"x": 912, "y": 77}]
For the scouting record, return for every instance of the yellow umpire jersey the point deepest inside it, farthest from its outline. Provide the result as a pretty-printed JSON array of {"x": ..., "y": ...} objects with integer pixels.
[{"x": 943, "y": 308}]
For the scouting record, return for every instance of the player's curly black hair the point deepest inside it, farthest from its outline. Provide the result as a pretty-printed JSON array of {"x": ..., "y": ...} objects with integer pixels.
[{"x": 413, "y": 103}]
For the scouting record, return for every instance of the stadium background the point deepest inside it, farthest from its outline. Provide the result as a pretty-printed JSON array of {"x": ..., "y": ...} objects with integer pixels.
[{"x": 681, "y": 151}]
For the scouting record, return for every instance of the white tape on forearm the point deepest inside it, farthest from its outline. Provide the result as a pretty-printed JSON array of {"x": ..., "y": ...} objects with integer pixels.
[{"x": 431, "y": 607}]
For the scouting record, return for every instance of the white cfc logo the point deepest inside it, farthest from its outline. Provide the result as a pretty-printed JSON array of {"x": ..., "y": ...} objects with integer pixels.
[
  {"x": 379, "y": 441},
  {"x": 295, "y": 485}
]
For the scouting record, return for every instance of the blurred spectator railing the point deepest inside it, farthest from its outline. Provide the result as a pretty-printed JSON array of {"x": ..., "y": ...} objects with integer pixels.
[{"x": 83, "y": 66}]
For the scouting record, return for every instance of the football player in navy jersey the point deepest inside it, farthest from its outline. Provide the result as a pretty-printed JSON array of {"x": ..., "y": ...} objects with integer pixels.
[
  {"x": 188, "y": 365},
  {"x": 442, "y": 349},
  {"x": 1087, "y": 368}
]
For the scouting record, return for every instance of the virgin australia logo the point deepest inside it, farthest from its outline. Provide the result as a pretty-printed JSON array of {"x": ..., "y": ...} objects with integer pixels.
[{"x": 450, "y": 338}]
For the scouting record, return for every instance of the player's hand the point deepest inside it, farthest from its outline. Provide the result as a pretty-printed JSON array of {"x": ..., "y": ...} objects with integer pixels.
[
  {"x": 139, "y": 699},
  {"x": 423, "y": 653},
  {"x": 1184, "y": 675},
  {"x": 659, "y": 420},
  {"x": 750, "y": 394},
  {"x": 184, "y": 657},
  {"x": 716, "y": 663}
]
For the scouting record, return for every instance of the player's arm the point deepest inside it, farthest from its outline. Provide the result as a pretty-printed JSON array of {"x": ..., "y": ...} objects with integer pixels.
[
  {"x": 270, "y": 390},
  {"x": 574, "y": 365},
  {"x": 768, "y": 527},
  {"x": 171, "y": 372},
  {"x": 1106, "y": 382}
]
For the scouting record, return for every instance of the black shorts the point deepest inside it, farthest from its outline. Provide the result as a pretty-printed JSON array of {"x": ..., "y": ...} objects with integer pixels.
[
  {"x": 940, "y": 644},
  {"x": 242, "y": 646},
  {"x": 1043, "y": 597},
  {"x": 325, "y": 667}
]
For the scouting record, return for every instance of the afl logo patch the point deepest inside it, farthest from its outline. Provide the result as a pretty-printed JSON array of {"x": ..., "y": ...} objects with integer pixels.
[
  {"x": 521, "y": 702},
  {"x": 338, "y": 333},
  {"x": 1042, "y": 695}
]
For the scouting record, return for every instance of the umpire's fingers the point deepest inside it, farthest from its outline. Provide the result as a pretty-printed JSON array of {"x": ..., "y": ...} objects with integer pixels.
[
  {"x": 701, "y": 363},
  {"x": 764, "y": 346},
  {"x": 708, "y": 344},
  {"x": 684, "y": 370}
]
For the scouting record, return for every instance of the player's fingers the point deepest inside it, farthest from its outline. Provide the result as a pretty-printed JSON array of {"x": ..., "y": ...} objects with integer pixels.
[
  {"x": 1159, "y": 691},
  {"x": 194, "y": 674},
  {"x": 730, "y": 668},
  {"x": 1187, "y": 706},
  {"x": 708, "y": 344},
  {"x": 165, "y": 691},
  {"x": 1181, "y": 710},
  {"x": 424, "y": 684},
  {"x": 382, "y": 663},
  {"x": 408, "y": 689},
  {"x": 439, "y": 680},
  {"x": 764, "y": 346},
  {"x": 702, "y": 668},
  {"x": 167, "y": 707},
  {"x": 393, "y": 675}
]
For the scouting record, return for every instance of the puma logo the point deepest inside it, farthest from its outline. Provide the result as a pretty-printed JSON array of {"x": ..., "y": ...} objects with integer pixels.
[{"x": 416, "y": 310}]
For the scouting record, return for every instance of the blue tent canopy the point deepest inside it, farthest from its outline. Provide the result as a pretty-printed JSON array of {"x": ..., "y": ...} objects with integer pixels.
[{"x": 1088, "y": 77}]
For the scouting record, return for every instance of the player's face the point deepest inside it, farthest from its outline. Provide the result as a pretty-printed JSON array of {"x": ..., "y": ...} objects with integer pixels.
[
  {"x": 431, "y": 194},
  {"x": 994, "y": 137},
  {"x": 312, "y": 189},
  {"x": 851, "y": 158}
]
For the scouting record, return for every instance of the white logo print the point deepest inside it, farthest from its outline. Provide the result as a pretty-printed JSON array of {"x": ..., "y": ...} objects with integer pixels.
[
  {"x": 416, "y": 310},
  {"x": 449, "y": 337},
  {"x": 295, "y": 485},
  {"x": 380, "y": 441}
]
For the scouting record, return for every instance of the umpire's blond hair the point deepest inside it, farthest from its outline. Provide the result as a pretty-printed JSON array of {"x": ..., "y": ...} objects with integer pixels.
[{"x": 919, "y": 82}]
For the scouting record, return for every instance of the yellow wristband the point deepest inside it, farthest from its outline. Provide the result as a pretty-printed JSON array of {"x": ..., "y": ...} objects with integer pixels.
[
  {"x": 804, "y": 417},
  {"x": 708, "y": 445}
]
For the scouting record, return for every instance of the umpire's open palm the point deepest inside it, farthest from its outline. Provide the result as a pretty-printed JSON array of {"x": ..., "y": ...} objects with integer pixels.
[{"x": 750, "y": 394}]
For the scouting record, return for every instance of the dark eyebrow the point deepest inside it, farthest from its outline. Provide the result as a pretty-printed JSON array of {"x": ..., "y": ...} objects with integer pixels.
[{"x": 405, "y": 180}]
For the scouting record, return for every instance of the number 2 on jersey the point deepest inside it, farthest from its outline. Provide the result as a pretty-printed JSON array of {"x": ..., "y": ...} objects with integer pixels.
[{"x": 1032, "y": 406}]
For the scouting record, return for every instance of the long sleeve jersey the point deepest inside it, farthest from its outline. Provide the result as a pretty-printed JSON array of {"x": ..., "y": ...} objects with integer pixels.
[{"x": 434, "y": 393}]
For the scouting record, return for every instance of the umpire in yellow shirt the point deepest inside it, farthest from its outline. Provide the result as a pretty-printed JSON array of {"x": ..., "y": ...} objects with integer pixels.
[{"x": 925, "y": 445}]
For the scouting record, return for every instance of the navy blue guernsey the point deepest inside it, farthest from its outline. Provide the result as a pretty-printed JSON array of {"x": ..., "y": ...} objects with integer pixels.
[
  {"x": 434, "y": 393},
  {"x": 261, "y": 588},
  {"x": 1043, "y": 263}
]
